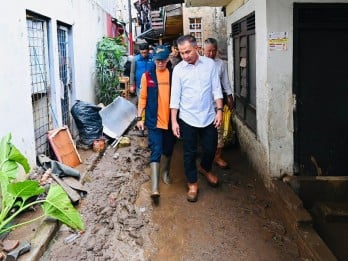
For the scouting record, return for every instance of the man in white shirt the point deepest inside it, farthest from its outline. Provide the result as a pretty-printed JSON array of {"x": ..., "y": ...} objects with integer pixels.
[
  {"x": 195, "y": 87},
  {"x": 210, "y": 50}
]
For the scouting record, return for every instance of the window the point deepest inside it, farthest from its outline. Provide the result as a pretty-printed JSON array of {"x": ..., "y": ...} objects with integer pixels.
[
  {"x": 65, "y": 72},
  {"x": 243, "y": 33},
  {"x": 40, "y": 86},
  {"x": 196, "y": 30}
]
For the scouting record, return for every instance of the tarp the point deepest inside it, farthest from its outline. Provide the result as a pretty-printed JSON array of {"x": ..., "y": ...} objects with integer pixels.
[{"x": 117, "y": 117}]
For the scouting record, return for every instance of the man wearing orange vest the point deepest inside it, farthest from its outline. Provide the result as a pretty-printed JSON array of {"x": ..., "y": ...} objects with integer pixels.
[{"x": 154, "y": 99}]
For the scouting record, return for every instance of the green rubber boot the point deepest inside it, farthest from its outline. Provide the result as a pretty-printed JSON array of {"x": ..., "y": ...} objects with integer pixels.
[
  {"x": 155, "y": 180},
  {"x": 164, "y": 169}
]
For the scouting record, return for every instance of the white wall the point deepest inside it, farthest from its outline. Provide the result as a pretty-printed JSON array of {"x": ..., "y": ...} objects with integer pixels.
[
  {"x": 271, "y": 150},
  {"x": 255, "y": 146},
  {"x": 15, "y": 89},
  {"x": 89, "y": 27},
  {"x": 88, "y": 23},
  {"x": 279, "y": 15}
]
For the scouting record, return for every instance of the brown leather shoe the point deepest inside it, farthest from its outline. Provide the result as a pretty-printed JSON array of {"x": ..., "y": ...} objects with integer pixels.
[
  {"x": 221, "y": 163},
  {"x": 212, "y": 179},
  {"x": 192, "y": 194},
  {"x": 218, "y": 159}
]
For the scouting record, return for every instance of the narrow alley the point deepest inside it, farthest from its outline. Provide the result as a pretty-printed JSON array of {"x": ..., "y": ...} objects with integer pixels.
[
  {"x": 237, "y": 221},
  {"x": 285, "y": 196}
]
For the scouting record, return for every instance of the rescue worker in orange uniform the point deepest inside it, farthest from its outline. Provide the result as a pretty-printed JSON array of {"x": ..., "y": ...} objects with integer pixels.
[{"x": 154, "y": 98}]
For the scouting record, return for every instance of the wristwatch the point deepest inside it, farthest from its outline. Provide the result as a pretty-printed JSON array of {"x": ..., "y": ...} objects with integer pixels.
[
  {"x": 139, "y": 118},
  {"x": 219, "y": 109}
]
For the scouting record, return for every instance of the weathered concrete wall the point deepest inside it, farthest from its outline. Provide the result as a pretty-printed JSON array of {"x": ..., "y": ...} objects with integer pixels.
[
  {"x": 255, "y": 145},
  {"x": 279, "y": 85},
  {"x": 273, "y": 137},
  {"x": 234, "y": 5},
  {"x": 275, "y": 103},
  {"x": 88, "y": 22},
  {"x": 254, "y": 151},
  {"x": 213, "y": 24}
]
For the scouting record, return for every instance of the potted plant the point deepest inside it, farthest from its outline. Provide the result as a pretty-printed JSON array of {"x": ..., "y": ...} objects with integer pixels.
[{"x": 109, "y": 61}]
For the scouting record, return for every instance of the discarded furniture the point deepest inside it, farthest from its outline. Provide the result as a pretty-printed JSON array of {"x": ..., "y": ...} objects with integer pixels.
[
  {"x": 117, "y": 117},
  {"x": 63, "y": 146},
  {"x": 124, "y": 80}
]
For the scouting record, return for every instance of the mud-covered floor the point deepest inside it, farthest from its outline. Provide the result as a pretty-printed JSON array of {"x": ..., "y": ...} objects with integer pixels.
[{"x": 236, "y": 221}]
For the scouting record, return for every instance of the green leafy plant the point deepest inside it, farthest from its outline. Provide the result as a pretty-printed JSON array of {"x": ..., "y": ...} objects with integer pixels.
[
  {"x": 17, "y": 196},
  {"x": 110, "y": 52}
]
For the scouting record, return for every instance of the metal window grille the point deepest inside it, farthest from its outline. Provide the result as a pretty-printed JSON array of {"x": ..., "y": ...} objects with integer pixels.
[
  {"x": 40, "y": 92},
  {"x": 64, "y": 74},
  {"x": 243, "y": 33}
]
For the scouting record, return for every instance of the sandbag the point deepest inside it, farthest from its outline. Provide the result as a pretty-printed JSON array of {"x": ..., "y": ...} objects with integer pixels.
[{"x": 88, "y": 121}]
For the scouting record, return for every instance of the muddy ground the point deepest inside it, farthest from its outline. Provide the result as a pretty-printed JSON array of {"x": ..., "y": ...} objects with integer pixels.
[{"x": 236, "y": 221}]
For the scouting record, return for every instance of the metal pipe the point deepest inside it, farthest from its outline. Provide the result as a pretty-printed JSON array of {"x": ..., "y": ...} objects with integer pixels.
[{"x": 130, "y": 29}]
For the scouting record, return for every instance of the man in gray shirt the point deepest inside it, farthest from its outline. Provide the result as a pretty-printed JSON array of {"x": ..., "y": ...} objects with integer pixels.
[
  {"x": 195, "y": 86},
  {"x": 210, "y": 50}
]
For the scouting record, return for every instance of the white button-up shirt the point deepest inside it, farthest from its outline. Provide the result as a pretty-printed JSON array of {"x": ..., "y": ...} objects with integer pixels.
[
  {"x": 223, "y": 76},
  {"x": 194, "y": 89}
]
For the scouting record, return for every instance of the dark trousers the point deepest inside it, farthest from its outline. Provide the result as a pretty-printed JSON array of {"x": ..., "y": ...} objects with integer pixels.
[
  {"x": 161, "y": 142},
  {"x": 208, "y": 140}
]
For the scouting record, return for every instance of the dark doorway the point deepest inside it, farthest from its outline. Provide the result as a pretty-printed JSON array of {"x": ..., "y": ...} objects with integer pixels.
[{"x": 321, "y": 88}]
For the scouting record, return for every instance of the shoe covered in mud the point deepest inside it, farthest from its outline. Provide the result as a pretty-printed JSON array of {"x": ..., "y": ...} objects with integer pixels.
[
  {"x": 218, "y": 160},
  {"x": 212, "y": 179},
  {"x": 192, "y": 194},
  {"x": 164, "y": 169},
  {"x": 155, "y": 194}
]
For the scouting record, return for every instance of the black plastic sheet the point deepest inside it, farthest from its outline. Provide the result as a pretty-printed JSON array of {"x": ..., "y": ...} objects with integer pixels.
[{"x": 88, "y": 121}]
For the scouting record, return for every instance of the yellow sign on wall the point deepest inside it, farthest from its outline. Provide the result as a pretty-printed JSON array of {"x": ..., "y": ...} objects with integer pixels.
[{"x": 278, "y": 41}]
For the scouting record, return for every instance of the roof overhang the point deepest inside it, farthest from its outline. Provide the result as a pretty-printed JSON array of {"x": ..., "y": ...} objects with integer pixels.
[
  {"x": 151, "y": 34},
  {"x": 159, "y": 3},
  {"x": 118, "y": 22},
  {"x": 197, "y": 3}
]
